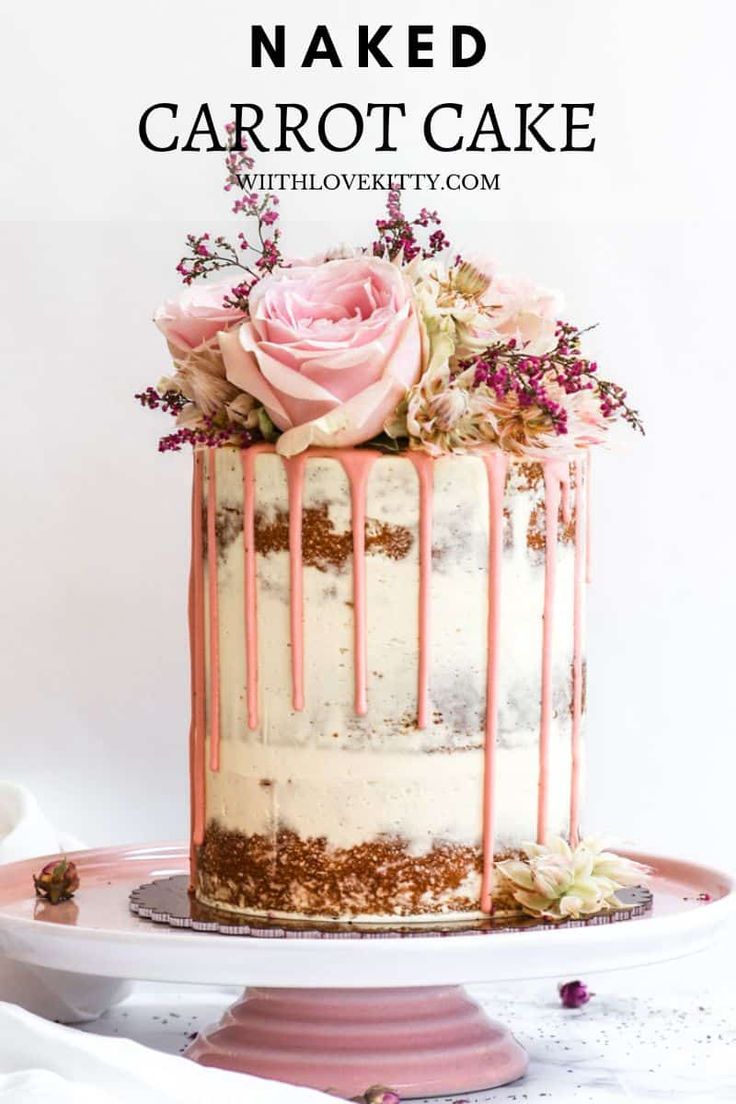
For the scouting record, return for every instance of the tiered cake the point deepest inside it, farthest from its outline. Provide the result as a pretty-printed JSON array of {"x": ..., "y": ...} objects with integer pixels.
[
  {"x": 389, "y": 543},
  {"x": 388, "y": 677}
]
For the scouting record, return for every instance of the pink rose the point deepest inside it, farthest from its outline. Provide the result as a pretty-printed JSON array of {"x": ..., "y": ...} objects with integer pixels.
[
  {"x": 197, "y": 315},
  {"x": 521, "y": 311},
  {"x": 330, "y": 350}
]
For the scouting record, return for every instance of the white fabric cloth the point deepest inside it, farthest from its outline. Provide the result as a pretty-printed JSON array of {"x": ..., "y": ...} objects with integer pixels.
[
  {"x": 24, "y": 830},
  {"x": 44, "y": 1063},
  {"x": 54, "y": 994}
]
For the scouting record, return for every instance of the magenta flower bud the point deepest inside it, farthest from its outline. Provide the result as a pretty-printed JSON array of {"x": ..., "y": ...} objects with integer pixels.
[{"x": 574, "y": 994}]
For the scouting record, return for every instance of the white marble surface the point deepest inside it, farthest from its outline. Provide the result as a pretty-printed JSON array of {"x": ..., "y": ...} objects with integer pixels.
[{"x": 658, "y": 1033}]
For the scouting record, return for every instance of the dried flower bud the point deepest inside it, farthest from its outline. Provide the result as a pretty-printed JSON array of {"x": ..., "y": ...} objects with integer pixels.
[
  {"x": 378, "y": 1094},
  {"x": 574, "y": 994},
  {"x": 470, "y": 281},
  {"x": 58, "y": 881}
]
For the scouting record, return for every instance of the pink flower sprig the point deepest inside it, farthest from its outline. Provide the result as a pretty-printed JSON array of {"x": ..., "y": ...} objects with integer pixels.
[
  {"x": 510, "y": 372},
  {"x": 397, "y": 234},
  {"x": 212, "y": 430},
  {"x": 254, "y": 255},
  {"x": 210, "y": 434},
  {"x": 507, "y": 373},
  {"x": 171, "y": 402}
]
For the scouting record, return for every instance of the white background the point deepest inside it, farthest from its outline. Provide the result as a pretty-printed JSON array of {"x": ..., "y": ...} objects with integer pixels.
[{"x": 640, "y": 236}]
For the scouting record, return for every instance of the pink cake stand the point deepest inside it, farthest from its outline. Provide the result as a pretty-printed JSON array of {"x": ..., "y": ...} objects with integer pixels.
[{"x": 340, "y": 1013}]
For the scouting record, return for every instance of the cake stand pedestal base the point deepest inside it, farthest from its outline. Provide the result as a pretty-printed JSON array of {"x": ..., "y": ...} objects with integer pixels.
[{"x": 427, "y": 1041}]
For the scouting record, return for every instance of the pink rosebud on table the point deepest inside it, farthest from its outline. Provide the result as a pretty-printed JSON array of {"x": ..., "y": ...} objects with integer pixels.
[
  {"x": 378, "y": 1094},
  {"x": 58, "y": 881},
  {"x": 574, "y": 994}
]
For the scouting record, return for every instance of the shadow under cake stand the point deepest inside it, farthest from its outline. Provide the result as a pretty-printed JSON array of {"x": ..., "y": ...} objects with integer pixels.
[{"x": 341, "y": 1009}]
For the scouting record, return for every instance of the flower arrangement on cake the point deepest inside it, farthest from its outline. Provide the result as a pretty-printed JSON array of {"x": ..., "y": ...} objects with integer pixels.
[
  {"x": 389, "y": 546},
  {"x": 400, "y": 343}
]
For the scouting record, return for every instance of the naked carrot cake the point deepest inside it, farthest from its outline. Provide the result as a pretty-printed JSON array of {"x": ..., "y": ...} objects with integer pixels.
[{"x": 388, "y": 560}]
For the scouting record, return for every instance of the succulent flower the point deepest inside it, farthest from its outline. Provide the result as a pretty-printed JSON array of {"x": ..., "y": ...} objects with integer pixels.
[
  {"x": 558, "y": 882},
  {"x": 378, "y": 1094},
  {"x": 58, "y": 881},
  {"x": 574, "y": 994}
]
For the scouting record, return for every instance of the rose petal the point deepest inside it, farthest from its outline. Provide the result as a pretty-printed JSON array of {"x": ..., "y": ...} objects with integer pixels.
[
  {"x": 351, "y": 423},
  {"x": 362, "y": 416},
  {"x": 241, "y": 369}
]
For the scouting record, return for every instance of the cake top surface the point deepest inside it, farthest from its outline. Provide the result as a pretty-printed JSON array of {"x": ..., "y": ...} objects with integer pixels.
[{"x": 402, "y": 344}]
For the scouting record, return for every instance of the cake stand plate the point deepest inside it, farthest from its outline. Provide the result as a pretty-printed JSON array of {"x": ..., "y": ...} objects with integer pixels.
[{"x": 342, "y": 1014}]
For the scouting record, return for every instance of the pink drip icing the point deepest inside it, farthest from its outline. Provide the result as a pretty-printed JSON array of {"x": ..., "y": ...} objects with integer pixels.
[
  {"x": 192, "y": 760},
  {"x": 196, "y": 637},
  {"x": 424, "y": 466},
  {"x": 577, "y": 649},
  {"x": 357, "y": 466},
  {"x": 248, "y": 459},
  {"x": 588, "y": 567},
  {"x": 556, "y": 476},
  {"x": 495, "y": 464},
  {"x": 214, "y": 611},
  {"x": 565, "y": 507},
  {"x": 295, "y": 479}
]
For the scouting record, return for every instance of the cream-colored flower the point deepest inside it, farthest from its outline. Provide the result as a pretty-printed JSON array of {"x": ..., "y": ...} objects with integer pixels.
[
  {"x": 449, "y": 408},
  {"x": 484, "y": 418},
  {"x": 440, "y": 413},
  {"x": 521, "y": 430},
  {"x": 480, "y": 308},
  {"x": 559, "y": 882},
  {"x": 448, "y": 299}
]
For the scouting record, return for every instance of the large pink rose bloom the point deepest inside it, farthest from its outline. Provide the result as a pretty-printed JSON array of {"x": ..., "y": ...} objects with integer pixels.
[
  {"x": 330, "y": 350},
  {"x": 197, "y": 315}
]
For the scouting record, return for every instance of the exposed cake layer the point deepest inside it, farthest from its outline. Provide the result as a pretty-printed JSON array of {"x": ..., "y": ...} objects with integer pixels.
[
  {"x": 339, "y": 783},
  {"x": 284, "y": 876}
]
